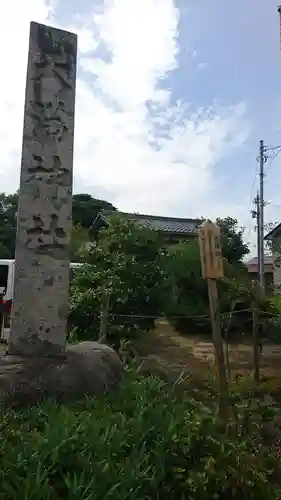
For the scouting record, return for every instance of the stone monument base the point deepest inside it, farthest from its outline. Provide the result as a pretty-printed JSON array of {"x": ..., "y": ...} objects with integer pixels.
[{"x": 88, "y": 368}]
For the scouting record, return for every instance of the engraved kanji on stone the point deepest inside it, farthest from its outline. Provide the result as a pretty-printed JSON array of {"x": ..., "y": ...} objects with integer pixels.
[
  {"x": 60, "y": 67},
  {"x": 46, "y": 232},
  {"x": 53, "y": 77},
  {"x": 40, "y": 164},
  {"x": 49, "y": 118},
  {"x": 51, "y": 192},
  {"x": 58, "y": 54},
  {"x": 54, "y": 194},
  {"x": 43, "y": 161},
  {"x": 45, "y": 195}
]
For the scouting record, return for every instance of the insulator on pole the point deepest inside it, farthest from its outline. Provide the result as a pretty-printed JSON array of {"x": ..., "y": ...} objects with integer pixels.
[{"x": 279, "y": 12}]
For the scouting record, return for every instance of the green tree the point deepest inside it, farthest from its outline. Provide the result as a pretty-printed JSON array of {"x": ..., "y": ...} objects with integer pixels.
[
  {"x": 126, "y": 268},
  {"x": 188, "y": 309},
  {"x": 233, "y": 246},
  {"x": 8, "y": 224},
  {"x": 84, "y": 211},
  {"x": 85, "y": 208},
  {"x": 79, "y": 238}
]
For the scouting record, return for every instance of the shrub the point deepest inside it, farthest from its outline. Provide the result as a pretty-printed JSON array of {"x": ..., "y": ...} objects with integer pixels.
[
  {"x": 147, "y": 441},
  {"x": 189, "y": 311},
  {"x": 125, "y": 270}
]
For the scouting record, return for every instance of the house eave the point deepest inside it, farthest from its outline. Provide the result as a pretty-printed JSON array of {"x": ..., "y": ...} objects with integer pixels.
[{"x": 274, "y": 233}]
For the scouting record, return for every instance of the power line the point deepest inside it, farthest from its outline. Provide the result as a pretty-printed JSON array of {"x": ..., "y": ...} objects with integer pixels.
[
  {"x": 259, "y": 212},
  {"x": 249, "y": 229},
  {"x": 274, "y": 156},
  {"x": 256, "y": 215},
  {"x": 253, "y": 186},
  {"x": 262, "y": 160},
  {"x": 199, "y": 316}
]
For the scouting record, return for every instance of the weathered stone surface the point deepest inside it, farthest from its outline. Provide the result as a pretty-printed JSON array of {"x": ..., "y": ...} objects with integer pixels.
[
  {"x": 37, "y": 364},
  {"x": 88, "y": 368},
  {"x": 40, "y": 301}
]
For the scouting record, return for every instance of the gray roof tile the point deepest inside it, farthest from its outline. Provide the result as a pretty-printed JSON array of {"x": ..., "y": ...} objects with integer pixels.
[
  {"x": 171, "y": 225},
  {"x": 268, "y": 259},
  {"x": 274, "y": 233}
]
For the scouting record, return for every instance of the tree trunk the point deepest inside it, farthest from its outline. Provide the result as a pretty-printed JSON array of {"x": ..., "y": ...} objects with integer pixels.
[{"x": 104, "y": 318}]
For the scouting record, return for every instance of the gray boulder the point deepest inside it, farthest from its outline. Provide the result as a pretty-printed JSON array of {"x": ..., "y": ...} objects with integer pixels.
[{"x": 88, "y": 368}]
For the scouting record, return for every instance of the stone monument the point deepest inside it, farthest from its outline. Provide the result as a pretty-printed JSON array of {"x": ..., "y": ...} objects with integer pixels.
[
  {"x": 40, "y": 303},
  {"x": 45, "y": 198}
]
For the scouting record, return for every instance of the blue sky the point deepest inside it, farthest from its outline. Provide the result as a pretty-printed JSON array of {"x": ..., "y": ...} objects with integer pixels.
[{"x": 172, "y": 101}]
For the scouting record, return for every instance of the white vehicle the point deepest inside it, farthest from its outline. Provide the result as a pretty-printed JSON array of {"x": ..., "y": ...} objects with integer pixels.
[{"x": 7, "y": 272}]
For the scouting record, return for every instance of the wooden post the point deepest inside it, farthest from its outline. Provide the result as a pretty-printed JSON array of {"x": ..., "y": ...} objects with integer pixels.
[
  {"x": 226, "y": 343},
  {"x": 218, "y": 345},
  {"x": 227, "y": 362},
  {"x": 212, "y": 269}
]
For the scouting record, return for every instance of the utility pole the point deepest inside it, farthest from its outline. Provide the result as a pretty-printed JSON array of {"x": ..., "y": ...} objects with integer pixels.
[
  {"x": 256, "y": 215},
  {"x": 261, "y": 214},
  {"x": 279, "y": 12}
]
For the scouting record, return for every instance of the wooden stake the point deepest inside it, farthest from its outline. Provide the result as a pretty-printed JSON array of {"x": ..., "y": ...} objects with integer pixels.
[
  {"x": 256, "y": 338},
  {"x": 218, "y": 344}
]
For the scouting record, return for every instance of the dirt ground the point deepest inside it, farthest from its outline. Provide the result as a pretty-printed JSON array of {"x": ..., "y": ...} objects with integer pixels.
[
  {"x": 240, "y": 355},
  {"x": 195, "y": 356}
]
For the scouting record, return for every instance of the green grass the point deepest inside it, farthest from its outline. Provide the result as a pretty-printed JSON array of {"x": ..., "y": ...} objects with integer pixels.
[{"x": 149, "y": 440}]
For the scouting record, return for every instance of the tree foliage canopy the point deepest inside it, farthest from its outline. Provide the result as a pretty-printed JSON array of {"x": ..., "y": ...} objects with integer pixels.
[
  {"x": 8, "y": 224},
  {"x": 85, "y": 208},
  {"x": 188, "y": 309},
  {"x": 128, "y": 264},
  {"x": 126, "y": 267},
  {"x": 234, "y": 249}
]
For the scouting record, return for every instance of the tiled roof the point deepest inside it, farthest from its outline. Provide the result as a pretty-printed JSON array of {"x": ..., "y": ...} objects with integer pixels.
[
  {"x": 268, "y": 259},
  {"x": 172, "y": 225},
  {"x": 275, "y": 232}
]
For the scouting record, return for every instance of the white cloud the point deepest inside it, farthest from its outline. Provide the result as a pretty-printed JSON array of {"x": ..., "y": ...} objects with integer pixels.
[
  {"x": 14, "y": 37},
  {"x": 152, "y": 155},
  {"x": 132, "y": 139},
  {"x": 203, "y": 65},
  {"x": 141, "y": 38}
]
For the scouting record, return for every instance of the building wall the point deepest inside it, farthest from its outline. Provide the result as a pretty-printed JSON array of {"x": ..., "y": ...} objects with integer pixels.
[
  {"x": 277, "y": 270},
  {"x": 276, "y": 250}
]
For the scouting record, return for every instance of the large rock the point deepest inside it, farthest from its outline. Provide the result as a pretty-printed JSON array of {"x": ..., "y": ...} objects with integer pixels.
[{"x": 88, "y": 368}]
